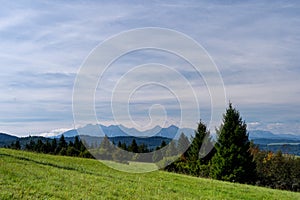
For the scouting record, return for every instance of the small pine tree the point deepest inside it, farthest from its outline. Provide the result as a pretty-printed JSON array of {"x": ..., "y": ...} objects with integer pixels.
[
  {"x": 142, "y": 148},
  {"x": 106, "y": 149},
  {"x": 119, "y": 144},
  {"x": 54, "y": 146},
  {"x": 47, "y": 146},
  {"x": 124, "y": 146},
  {"x": 17, "y": 145},
  {"x": 77, "y": 143},
  {"x": 171, "y": 149},
  {"x": 62, "y": 142},
  {"x": 183, "y": 144},
  {"x": 134, "y": 147},
  {"x": 163, "y": 144},
  {"x": 233, "y": 160},
  {"x": 105, "y": 144},
  {"x": 31, "y": 145}
]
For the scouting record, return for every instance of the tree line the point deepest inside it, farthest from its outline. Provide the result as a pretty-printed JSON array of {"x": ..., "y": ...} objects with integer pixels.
[
  {"x": 60, "y": 147},
  {"x": 121, "y": 152}
]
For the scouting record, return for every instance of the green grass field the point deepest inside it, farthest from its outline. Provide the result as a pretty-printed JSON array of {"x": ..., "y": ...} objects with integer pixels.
[{"x": 26, "y": 175}]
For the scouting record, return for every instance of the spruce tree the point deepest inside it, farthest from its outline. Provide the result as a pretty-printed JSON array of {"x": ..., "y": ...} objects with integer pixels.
[
  {"x": 62, "y": 142},
  {"x": 53, "y": 146},
  {"x": 106, "y": 149},
  {"x": 134, "y": 147},
  {"x": 105, "y": 144},
  {"x": 171, "y": 149},
  {"x": 17, "y": 145},
  {"x": 183, "y": 144},
  {"x": 196, "y": 151},
  {"x": 77, "y": 143},
  {"x": 119, "y": 144},
  {"x": 163, "y": 144},
  {"x": 233, "y": 160}
]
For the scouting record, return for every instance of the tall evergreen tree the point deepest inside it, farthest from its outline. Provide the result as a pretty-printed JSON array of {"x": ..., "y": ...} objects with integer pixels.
[
  {"x": 196, "y": 151},
  {"x": 233, "y": 160}
]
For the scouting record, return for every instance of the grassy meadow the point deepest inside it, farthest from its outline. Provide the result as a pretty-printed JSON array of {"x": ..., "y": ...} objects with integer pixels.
[{"x": 25, "y": 175}]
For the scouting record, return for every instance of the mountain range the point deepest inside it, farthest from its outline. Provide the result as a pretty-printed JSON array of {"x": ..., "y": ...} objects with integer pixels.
[
  {"x": 122, "y": 131},
  {"x": 258, "y": 134},
  {"x": 168, "y": 132}
]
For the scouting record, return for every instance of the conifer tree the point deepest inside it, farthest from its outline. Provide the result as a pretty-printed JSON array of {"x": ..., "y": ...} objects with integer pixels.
[
  {"x": 171, "y": 149},
  {"x": 106, "y": 149},
  {"x": 106, "y": 144},
  {"x": 53, "y": 146},
  {"x": 233, "y": 160},
  {"x": 163, "y": 144},
  {"x": 134, "y": 147},
  {"x": 196, "y": 151},
  {"x": 77, "y": 143},
  {"x": 183, "y": 144},
  {"x": 119, "y": 144},
  {"x": 62, "y": 142},
  {"x": 17, "y": 145}
]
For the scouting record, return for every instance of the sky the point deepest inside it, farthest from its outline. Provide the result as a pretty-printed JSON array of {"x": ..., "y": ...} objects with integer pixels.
[{"x": 43, "y": 45}]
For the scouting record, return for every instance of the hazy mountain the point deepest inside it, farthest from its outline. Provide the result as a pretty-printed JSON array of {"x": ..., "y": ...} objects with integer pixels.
[
  {"x": 95, "y": 130},
  {"x": 120, "y": 130},
  {"x": 168, "y": 132},
  {"x": 255, "y": 134}
]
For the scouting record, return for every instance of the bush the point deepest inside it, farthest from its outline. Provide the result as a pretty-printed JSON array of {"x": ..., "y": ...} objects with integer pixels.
[{"x": 277, "y": 171}]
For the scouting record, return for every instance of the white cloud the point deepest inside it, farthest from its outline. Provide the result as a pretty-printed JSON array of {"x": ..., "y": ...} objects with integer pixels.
[
  {"x": 55, "y": 132},
  {"x": 253, "y": 125},
  {"x": 255, "y": 46}
]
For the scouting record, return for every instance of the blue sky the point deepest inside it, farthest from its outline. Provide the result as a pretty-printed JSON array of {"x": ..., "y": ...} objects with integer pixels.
[{"x": 255, "y": 44}]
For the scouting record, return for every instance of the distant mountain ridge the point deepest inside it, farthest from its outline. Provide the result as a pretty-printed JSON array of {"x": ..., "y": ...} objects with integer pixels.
[
  {"x": 260, "y": 134},
  {"x": 122, "y": 131},
  {"x": 6, "y": 139},
  {"x": 168, "y": 132}
]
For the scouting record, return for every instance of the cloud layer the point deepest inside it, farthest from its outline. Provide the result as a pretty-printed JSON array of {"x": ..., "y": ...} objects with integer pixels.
[{"x": 255, "y": 45}]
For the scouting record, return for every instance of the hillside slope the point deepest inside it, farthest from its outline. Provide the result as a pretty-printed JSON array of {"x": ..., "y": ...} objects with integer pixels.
[
  {"x": 37, "y": 176},
  {"x": 6, "y": 139}
]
